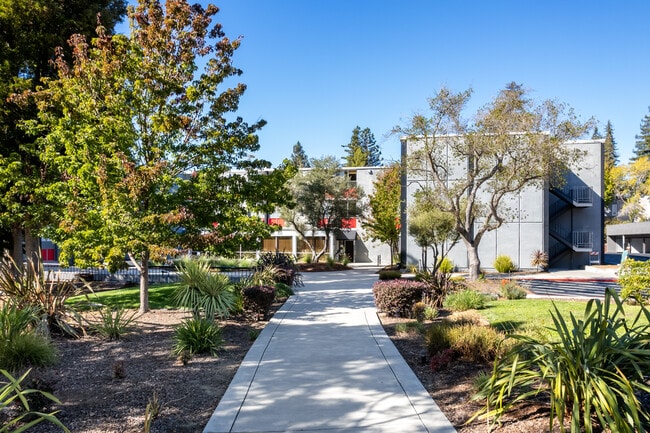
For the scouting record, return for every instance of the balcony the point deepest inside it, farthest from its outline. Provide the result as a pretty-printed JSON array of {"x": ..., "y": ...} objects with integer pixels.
[{"x": 578, "y": 241}]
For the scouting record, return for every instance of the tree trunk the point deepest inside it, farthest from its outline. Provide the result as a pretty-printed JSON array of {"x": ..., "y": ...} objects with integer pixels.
[
  {"x": 32, "y": 250},
  {"x": 144, "y": 283},
  {"x": 143, "y": 268},
  {"x": 474, "y": 261},
  {"x": 17, "y": 250}
]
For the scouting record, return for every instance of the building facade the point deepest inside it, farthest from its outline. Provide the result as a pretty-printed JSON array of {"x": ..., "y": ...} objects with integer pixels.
[{"x": 565, "y": 223}]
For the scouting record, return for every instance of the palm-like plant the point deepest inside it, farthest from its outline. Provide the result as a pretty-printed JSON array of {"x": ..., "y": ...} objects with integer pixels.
[
  {"x": 32, "y": 288},
  {"x": 594, "y": 373},
  {"x": 203, "y": 291}
]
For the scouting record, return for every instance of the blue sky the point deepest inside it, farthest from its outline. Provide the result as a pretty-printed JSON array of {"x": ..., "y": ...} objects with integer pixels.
[{"x": 316, "y": 69}]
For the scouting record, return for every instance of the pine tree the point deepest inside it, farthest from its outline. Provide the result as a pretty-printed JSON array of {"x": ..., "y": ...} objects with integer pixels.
[
  {"x": 299, "y": 157},
  {"x": 611, "y": 159},
  {"x": 642, "y": 145},
  {"x": 611, "y": 154},
  {"x": 362, "y": 150}
]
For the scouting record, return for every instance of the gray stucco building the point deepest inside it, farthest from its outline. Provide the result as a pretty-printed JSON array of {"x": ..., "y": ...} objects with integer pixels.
[{"x": 567, "y": 224}]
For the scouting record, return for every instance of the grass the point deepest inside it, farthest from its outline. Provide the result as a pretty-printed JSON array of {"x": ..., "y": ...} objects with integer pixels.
[
  {"x": 160, "y": 296},
  {"x": 522, "y": 314}
]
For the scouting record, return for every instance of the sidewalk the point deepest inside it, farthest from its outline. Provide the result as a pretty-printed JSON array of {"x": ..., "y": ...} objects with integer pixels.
[{"x": 323, "y": 363}]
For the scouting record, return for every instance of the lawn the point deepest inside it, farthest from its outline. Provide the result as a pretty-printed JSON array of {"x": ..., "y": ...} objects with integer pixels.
[
  {"x": 160, "y": 297},
  {"x": 522, "y": 314}
]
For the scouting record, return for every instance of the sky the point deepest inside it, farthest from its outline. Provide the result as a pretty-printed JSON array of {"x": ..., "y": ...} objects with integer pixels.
[{"x": 315, "y": 69}]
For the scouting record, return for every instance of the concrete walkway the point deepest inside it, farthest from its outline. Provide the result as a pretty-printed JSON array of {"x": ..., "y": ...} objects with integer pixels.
[{"x": 324, "y": 364}]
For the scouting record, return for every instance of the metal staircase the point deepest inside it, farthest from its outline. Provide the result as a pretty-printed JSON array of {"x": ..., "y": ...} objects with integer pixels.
[{"x": 571, "y": 199}]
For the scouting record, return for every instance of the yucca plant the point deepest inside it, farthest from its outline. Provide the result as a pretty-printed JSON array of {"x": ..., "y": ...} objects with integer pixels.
[
  {"x": 12, "y": 392},
  {"x": 113, "y": 323},
  {"x": 33, "y": 288},
  {"x": 593, "y": 373},
  {"x": 197, "y": 335},
  {"x": 203, "y": 291}
]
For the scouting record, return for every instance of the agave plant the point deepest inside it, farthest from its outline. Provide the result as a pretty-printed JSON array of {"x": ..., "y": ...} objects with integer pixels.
[
  {"x": 594, "y": 373},
  {"x": 203, "y": 291}
]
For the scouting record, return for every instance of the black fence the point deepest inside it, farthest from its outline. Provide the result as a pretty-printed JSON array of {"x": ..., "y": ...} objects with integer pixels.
[{"x": 157, "y": 274}]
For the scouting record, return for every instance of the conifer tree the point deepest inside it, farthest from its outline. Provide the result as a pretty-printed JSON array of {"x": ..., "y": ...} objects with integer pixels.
[
  {"x": 642, "y": 145},
  {"x": 362, "y": 150},
  {"x": 299, "y": 157},
  {"x": 611, "y": 159}
]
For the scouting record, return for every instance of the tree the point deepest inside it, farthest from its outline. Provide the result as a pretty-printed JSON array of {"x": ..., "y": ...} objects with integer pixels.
[
  {"x": 632, "y": 182},
  {"x": 150, "y": 156},
  {"x": 432, "y": 228},
  {"x": 475, "y": 168},
  {"x": 362, "y": 150},
  {"x": 299, "y": 157},
  {"x": 642, "y": 144},
  {"x": 30, "y": 30},
  {"x": 611, "y": 159},
  {"x": 383, "y": 223},
  {"x": 324, "y": 200}
]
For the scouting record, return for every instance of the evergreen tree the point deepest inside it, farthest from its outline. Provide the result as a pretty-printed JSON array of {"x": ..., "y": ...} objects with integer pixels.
[
  {"x": 611, "y": 159},
  {"x": 362, "y": 150},
  {"x": 299, "y": 157},
  {"x": 642, "y": 145}
]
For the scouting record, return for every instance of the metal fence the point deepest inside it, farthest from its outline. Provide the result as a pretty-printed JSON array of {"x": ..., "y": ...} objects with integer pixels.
[{"x": 157, "y": 274}]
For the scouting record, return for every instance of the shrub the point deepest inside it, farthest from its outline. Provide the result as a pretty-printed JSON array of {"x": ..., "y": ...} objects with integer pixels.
[
  {"x": 467, "y": 299},
  {"x": 634, "y": 279},
  {"x": 12, "y": 392},
  {"x": 283, "y": 291},
  {"x": 436, "y": 338},
  {"x": 439, "y": 285},
  {"x": 430, "y": 313},
  {"x": 466, "y": 338},
  {"x": 594, "y": 372},
  {"x": 32, "y": 288},
  {"x": 539, "y": 259},
  {"x": 409, "y": 327},
  {"x": 503, "y": 264},
  {"x": 195, "y": 336},
  {"x": 477, "y": 343},
  {"x": 203, "y": 291},
  {"x": 389, "y": 275},
  {"x": 511, "y": 290},
  {"x": 446, "y": 266},
  {"x": 441, "y": 360},
  {"x": 26, "y": 350},
  {"x": 397, "y": 297},
  {"x": 259, "y": 299},
  {"x": 15, "y": 320},
  {"x": 113, "y": 322},
  {"x": 287, "y": 270},
  {"x": 418, "y": 311}
]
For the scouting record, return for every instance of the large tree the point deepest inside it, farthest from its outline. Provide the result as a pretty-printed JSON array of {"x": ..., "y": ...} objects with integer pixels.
[
  {"x": 642, "y": 144},
  {"x": 141, "y": 128},
  {"x": 362, "y": 150},
  {"x": 30, "y": 30},
  {"x": 475, "y": 167},
  {"x": 383, "y": 222},
  {"x": 324, "y": 201}
]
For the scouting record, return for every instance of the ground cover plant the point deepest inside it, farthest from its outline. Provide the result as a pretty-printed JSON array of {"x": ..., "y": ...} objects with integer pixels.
[{"x": 593, "y": 372}]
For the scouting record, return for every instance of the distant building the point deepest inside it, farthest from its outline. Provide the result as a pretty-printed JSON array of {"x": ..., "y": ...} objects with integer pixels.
[{"x": 567, "y": 224}]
